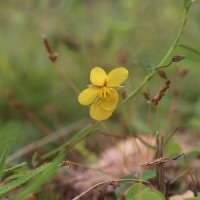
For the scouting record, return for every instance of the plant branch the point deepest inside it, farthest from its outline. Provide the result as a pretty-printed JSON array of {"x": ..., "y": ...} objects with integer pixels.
[
  {"x": 108, "y": 182},
  {"x": 166, "y": 56}
]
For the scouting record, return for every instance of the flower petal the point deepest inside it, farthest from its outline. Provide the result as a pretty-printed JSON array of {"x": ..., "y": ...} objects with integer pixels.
[
  {"x": 88, "y": 95},
  {"x": 98, "y": 113},
  {"x": 98, "y": 76},
  {"x": 117, "y": 76},
  {"x": 109, "y": 103}
]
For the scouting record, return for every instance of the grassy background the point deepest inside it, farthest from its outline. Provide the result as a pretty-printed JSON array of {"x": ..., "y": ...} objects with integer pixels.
[{"x": 86, "y": 34}]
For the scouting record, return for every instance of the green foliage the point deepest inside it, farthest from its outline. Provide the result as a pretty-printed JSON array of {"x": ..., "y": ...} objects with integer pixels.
[
  {"x": 191, "y": 155},
  {"x": 121, "y": 189},
  {"x": 140, "y": 191},
  {"x": 134, "y": 190},
  {"x": 12, "y": 169},
  {"x": 172, "y": 148},
  {"x": 187, "y": 4},
  {"x": 45, "y": 172},
  {"x": 148, "y": 194},
  {"x": 16, "y": 183},
  {"x": 79, "y": 136},
  {"x": 3, "y": 157},
  {"x": 86, "y": 34},
  {"x": 148, "y": 174}
]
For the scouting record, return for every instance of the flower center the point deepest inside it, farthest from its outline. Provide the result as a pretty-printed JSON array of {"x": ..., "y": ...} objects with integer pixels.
[{"x": 105, "y": 93}]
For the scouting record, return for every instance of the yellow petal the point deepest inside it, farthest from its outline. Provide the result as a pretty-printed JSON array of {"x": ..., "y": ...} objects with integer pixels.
[
  {"x": 109, "y": 103},
  {"x": 88, "y": 95},
  {"x": 117, "y": 76},
  {"x": 98, "y": 113},
  {"x": 98, "y": 76}
]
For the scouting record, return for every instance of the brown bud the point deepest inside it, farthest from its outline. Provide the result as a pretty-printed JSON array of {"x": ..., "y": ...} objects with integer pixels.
[
  {"x": 177, "y": 58},
  {"x": 162, "y": 74},
  {"x": 146, "y": 96},
  {"x": 52, "y": 55},
  {"x": 124, "y": 95},
  {"x": 167, "y": 83}
]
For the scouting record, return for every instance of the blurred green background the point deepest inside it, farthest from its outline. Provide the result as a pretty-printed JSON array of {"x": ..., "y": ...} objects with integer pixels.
[{"x": 106, "y": 33}]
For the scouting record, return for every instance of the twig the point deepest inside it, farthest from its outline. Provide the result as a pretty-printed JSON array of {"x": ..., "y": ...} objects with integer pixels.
[
  {"x": 160, "y": 166},
  {"x": 125, "y": 137},
  {"x": 156, "y": 99},
  {"x": 189, "y": 171},
  {"x": 69, "y": 164},
  {"x": 178, "y": 176},
  {"x": 108, "y": 182},
  {"x": 169, "y": 138},
  {"x": 30, "y": 115}
]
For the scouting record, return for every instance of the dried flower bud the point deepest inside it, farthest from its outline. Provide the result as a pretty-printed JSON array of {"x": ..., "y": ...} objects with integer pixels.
[
  {"x": 157, "y": 98},
  {"x": 177, "y": 58},
  {"x": 162, "y": 74},
  {"x": 146, "y": 96},
  {"x": 52, "y": 55},
  {"x": 124, "y": 95}
]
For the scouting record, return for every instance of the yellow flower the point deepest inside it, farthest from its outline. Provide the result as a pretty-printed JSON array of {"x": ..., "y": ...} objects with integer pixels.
[{"x": 101, "y": 95}]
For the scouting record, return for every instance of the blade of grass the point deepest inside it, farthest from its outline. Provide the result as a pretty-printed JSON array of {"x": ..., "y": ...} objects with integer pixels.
[
  {"x": 193, "y": 50},
  {"x": 16, "y": 183},
  {"x": 81, "y": 135},
  {"x": 3, "y": 157},
  {"x": 11, "y": 169},
  {"x": 36, "y": 183}
]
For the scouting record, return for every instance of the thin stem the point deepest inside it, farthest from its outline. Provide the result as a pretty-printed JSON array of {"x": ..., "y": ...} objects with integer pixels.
[
  {"x": 66, "y": 78},
  {"x": 149, "y": 117},
  {"x": 91, "y": 168},
  {"x": 108, "y": 182},
  {"x": 45, "y": 140},
  {"x": 157, "y": 117}
]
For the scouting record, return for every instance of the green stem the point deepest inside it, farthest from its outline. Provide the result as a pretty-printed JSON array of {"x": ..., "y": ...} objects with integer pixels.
[{"x": 173, "y": 46}]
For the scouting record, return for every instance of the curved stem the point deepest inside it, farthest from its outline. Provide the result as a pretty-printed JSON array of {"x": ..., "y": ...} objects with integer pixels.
[
  {"x": 108, "y": 182},
  {"x": 173, "y": 46}
]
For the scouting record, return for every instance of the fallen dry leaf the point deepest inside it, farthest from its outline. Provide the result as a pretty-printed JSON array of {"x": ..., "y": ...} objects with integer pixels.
[{"x": 183, "y": 196}]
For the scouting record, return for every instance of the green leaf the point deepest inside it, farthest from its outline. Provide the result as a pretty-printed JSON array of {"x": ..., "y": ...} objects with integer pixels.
[
  {"x": 149, "y": 194},
  {"x": 134, "y": 190},
  {"x": 34, "y": 160},
  {"x": 172, "y": 148},
  {"x": 12, "y": 169},
  {"x": 148, "y": 174},
  {"x": 193, "y": 50},
  {"x": 198, "y": 194},
  {"x": 37, "y": 181},
  {"x": 13, "y": 177},
  {"x": 122, "y": 188},
  {"x": 150, "y": 69},
  {"x": 193, "y": 198},
  {"x": 192, "y": 154},
  {"x": 147, "y": 67}
]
